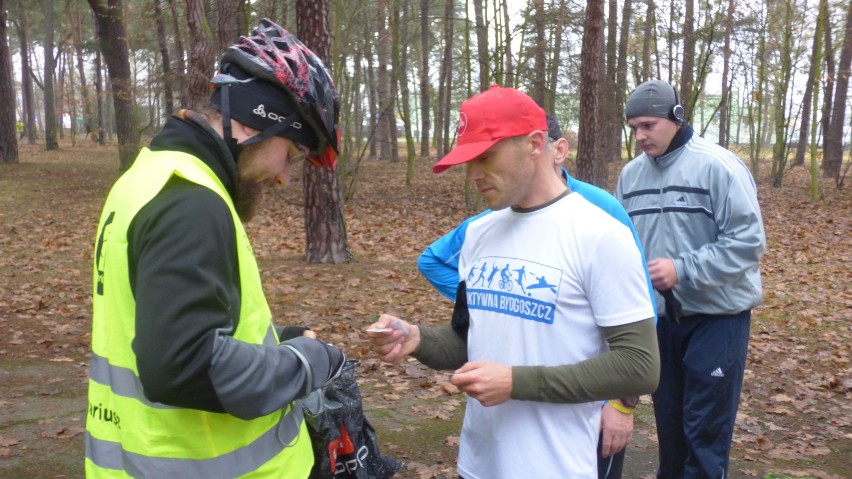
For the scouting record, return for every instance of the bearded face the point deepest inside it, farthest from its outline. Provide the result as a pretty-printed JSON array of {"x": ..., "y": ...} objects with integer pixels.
[{"x": 249, "y": 189}]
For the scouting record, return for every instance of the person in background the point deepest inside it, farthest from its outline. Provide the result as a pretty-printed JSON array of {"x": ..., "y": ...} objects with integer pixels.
[
  {"x": 534, "y": 357},
  {"x": 439, "y": 265},
  {"x": 695, "y": 208},
  {"x": 189, "y": 377}
]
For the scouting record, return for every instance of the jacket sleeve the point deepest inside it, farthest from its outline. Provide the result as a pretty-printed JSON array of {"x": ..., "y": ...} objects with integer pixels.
[
  {"x": 445, "y": 347},
  {"x": 185, "y": 280},
  {"x": 630, "y": 368},
  {"x": 439, "y": 263},
  {"x": 441, "y": 348},
  {"x": 740, "y": 242}
]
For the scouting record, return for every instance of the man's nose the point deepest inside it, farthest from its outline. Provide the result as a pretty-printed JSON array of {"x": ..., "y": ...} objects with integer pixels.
[
  {"x": 283, "y": 178},
  {"x": 474, "y": 171}
]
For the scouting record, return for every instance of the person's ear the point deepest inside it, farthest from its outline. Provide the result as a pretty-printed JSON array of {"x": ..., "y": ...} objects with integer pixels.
[
  {"x": 538, "y": 142},
  {"x": 561, "y": 147},
  {"x": 242, "y": 132}
]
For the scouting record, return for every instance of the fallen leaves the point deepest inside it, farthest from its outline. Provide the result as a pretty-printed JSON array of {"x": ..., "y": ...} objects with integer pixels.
[
  {"x": 63, "y": 432},
  {"x": 8, "y": 441}
]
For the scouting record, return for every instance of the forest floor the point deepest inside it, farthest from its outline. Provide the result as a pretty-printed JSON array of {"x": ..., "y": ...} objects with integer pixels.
[{"x": 794, "y": 418}]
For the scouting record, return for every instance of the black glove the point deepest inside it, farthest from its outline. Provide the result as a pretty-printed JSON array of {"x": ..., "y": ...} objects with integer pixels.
[{"x": 289, "y": 332}]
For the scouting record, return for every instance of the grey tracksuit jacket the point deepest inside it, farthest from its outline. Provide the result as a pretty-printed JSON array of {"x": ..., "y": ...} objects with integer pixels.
[{"x": 698, "y": 206}]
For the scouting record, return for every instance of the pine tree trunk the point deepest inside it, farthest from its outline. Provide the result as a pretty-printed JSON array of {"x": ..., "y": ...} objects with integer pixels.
[
  {"x": 538, "y": 93},
  {"x": 112, "y": 35},
  {"x": 164, "y": 58},
  {"x": 201, "y": 56},
  {"x": 425, "y": 120},
  {"x": 325, "y": 229},
  {"x": 834, "y": 141},
  {"x": 180, "y": 67},
  {"x": 8, "y": 134},
  {"x": 481, "y": 45},
  {"x": 50, "y": 124},
  {"x": 26, "y": 79},
  {"x": 589, "y": 168},
  {"x": 687, "y": 72},
  {"x": 723, "y": 105}
]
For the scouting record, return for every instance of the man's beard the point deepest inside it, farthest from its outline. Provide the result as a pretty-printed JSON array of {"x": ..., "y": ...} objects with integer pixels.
[{"x": 249, "y": 192}]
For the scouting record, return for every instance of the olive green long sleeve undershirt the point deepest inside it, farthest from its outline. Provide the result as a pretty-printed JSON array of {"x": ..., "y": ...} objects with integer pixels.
[{"x": 630, "y": 368}]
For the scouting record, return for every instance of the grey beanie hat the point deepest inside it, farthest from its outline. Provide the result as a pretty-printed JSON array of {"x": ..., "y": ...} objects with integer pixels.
[{"x": 654, "y": 98}]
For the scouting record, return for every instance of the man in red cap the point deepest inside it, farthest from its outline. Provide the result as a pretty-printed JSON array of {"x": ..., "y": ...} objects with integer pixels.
[{"x": 570, "y": 325}]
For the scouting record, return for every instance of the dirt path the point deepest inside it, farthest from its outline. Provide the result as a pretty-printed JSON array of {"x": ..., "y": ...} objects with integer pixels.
[{"x": 43, "y": 406}]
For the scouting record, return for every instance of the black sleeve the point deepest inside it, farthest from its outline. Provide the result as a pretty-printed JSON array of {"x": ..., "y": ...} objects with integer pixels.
[
  {"x": 183, "y": 260},
  {"x": 186, "y": 284}
]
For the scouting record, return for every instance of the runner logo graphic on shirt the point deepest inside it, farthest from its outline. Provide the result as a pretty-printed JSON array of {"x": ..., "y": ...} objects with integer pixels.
[{"x": 515, "y": 287}]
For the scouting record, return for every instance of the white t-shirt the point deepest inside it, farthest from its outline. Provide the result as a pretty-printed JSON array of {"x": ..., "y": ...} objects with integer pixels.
[{"x": 539, "y": 286}]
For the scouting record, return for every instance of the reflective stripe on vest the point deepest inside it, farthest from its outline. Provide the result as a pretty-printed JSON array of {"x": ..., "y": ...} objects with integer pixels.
[
  {"x": 243, "y": 461},
  {"x": 127, "y": 434}
]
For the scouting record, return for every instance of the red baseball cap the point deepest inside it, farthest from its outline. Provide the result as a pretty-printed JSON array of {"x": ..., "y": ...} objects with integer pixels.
[{"x": 493, "y": 115}]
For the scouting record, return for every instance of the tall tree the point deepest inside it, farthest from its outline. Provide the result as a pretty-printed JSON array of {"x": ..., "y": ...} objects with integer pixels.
[
  {"x": 556, "y": 58},
  {"x": 756, "y": 119},
  {"x": 99, "y": 95},
  {"x": 395, "y": 73},
  {"x": 201, "y": 56},
  {"x": 180, "y": 56},
  {"x": 372, "y": 90},
  {"x": 50, "y": 124},
  {"x": 589, "y": 168},
  {"x": 614, "y": 83},
  {"x": 8, "y": 134},
  {"x": 726, "y": 59},
  {"x": 828, "y": 89},
  {"x": 425, "y": 120},
  {"x": 812, "y": 82},
  {"x": 538, "y": 90},
  {"x": 112, "y": 35},
  {"x": 687, "y": 72},
  {"x": 510, "y": 63},
  {"x": 387, "y": 120},
  {"x": 324, "y": 225},
  {"x": 442, "y": 112},
  {"x": 481, "y": 45},
  {"x": 816, "y": 63},
  {"x": 621, "y": 72},
  {"x": 650, "y": 34},
  {"x": 400, "y": 55},
  {"x": 231, "y": 21},
  {"x": 164, "y": 58},
  {"x": 26, "y": 78},
  {"x": 81, "y": 70},
  {"x": 782, "y": 84},
  {"x": 834, "y": 138}
]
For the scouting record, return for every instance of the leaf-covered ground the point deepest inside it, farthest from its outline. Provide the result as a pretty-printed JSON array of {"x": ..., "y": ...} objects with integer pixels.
[{"x": 794, "y": 418}]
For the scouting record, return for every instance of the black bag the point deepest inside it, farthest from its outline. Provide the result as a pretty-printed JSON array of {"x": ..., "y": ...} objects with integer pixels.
[{"x": 345, "y": 444}]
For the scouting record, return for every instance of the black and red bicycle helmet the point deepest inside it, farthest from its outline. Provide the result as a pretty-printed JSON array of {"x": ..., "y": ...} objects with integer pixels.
[{"x": 273, "y": 54}]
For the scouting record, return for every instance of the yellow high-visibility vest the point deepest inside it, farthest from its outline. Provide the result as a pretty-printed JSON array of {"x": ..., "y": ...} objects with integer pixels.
[{"x": 126, "y": 434}]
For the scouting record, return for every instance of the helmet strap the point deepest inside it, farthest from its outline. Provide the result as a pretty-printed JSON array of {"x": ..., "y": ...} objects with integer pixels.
[
  {"x": 274, "y": 130},
  {"x": 225, "y": 107}
]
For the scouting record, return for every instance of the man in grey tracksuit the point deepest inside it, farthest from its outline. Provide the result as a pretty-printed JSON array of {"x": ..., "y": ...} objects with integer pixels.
[{"x": 695, "y": 209}]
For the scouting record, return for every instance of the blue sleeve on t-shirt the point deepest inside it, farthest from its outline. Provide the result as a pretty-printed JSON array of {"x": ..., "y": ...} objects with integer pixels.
[{"x": 439, "y": 263}]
